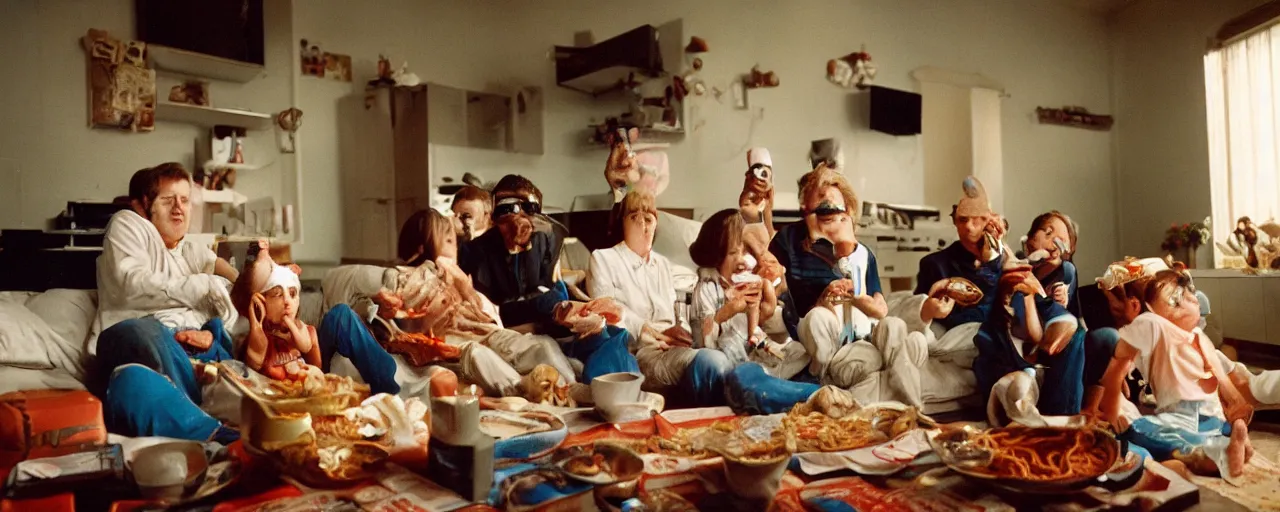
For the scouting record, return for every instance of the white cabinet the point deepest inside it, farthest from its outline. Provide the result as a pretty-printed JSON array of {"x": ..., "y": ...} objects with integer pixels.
[
  {"x": 386, "y": 138},
  {"x": 1247, "y": 305}
]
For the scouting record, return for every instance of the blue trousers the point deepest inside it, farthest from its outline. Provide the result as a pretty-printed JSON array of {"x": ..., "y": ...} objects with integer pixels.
[
  {"x": 702, "y": 384},
  {"x": 343, "y": 332},
  {"x": 1162, "y": 438},
  {"x": 750, "y": 390},
  {"x": 603, "y": 353},
  {"x": 147, "y": 383},
  {"x": 1063, "y": 388}
]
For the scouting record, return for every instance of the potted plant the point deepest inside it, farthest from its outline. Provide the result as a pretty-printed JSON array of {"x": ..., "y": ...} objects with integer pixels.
[{"x": 1182, "y": 240}]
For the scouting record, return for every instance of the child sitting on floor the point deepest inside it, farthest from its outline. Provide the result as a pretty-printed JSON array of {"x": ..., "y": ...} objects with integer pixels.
[
  {"x": 1201, "y": 420},
  {"x": 728, "y": 293},
  {"x": 279, "y": 345}
]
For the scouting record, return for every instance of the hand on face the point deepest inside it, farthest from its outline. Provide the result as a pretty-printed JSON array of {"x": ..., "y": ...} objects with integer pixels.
[{"x": 170, "y": 211}]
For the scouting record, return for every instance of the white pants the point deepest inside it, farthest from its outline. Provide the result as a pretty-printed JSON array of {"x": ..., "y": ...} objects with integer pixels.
[
  {"x": 479, "y": 365},
  {"x": 526, "y": 351},
  {"x": 663, "y": 369}
]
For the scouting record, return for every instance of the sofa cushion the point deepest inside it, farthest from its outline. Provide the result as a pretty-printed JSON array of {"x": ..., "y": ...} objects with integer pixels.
[
  {"x": 69, "y": 312},
  {"x": 25, "y": 338}
]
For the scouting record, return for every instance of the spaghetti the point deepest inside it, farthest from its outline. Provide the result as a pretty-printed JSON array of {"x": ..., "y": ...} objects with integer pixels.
[
  {"x": 817, "y": 432},
  {"x": 1046, "y": 454}
]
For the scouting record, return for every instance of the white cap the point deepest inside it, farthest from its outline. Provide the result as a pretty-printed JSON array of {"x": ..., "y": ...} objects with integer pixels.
[
  {"x": 758, "y": 156},
  {"x": 281, "y": 276}
]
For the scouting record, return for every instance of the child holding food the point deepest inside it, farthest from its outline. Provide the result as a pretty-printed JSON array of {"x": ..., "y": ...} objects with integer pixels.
[
  {"x": 1201, "y": 420},
  {"x": 729, "y": 302},
  {"x": 1041, "y": 330}
]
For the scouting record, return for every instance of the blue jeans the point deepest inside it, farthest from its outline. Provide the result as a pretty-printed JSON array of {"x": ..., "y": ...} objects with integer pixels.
[
  {"x": 1063, "y": 388},
  {"x": 147, "y": 383},
  {"x": 603, "y": 353},
  {"x": 703, "y": 382},
  {"x": 1163, "y": 439},
  {"x": 343, "y": 332},
  {"x": 750, "y": 390},
  {"x": 142, "y": 402}
]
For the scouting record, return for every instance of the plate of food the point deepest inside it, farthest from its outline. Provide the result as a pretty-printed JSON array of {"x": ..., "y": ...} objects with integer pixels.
[
  {"x": 522, "y": 435},
  {"x": 1030, "y": 459},
  {"x": 332, "y": 464},
  {"x": 817, "y": 431},
  {"x": 317, "y": 393},
  {"x": 601, "y": 463}
]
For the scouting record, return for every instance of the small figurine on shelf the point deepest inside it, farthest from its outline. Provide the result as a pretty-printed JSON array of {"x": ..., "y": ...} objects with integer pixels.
[
  {"x": 760, "y": 79},
  {"x": 852, "y": 70}
]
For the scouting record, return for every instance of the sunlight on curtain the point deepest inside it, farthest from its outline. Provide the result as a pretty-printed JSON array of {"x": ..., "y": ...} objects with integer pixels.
[{"x": 1242, "y": 102}]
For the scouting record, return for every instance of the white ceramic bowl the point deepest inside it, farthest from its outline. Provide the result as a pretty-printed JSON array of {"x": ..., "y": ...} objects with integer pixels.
[{"x": 168, "y": 471}]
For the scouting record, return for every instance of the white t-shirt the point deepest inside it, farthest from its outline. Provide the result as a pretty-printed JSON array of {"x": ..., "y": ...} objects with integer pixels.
[
  {"x": 644, "y": 289},
  {"x": 1169, "y": 360},
  {"x": 138, "y": 276}
]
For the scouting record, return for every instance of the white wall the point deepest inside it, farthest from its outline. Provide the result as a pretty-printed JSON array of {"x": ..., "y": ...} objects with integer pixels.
[
  {"x": 48, "y": 155},
  {"x": 1161, "y": 138},
  {"x": 1043, "y": 52}
]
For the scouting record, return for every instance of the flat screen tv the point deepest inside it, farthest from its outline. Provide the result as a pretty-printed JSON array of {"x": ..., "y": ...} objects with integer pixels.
[
  {"x": 895, "y": 112},
  {"x": 231, "y": 29}
]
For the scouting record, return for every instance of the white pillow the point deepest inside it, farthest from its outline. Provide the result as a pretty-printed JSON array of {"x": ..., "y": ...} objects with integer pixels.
[
  {"x": 70, "y": 313},
  {"x": 25, "y": 338}
]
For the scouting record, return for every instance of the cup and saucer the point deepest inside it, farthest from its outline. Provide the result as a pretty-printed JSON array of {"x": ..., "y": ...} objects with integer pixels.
[{"x": 618, "y": 398}]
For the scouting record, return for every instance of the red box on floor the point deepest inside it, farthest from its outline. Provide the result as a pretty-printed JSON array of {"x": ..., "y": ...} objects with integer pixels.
[{"x": 65, "y": 502}]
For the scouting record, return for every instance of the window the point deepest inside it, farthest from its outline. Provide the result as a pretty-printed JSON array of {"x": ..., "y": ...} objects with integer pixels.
[{"x": 1242, "y": 89}]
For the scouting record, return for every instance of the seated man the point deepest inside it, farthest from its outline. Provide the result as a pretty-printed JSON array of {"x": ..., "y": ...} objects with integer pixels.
[
  {"x": 160, "y": 307},
  {"x": 948, "y": 328},
  {"x": 826, "y": 266},
  {"x": 515, "y": 266}
]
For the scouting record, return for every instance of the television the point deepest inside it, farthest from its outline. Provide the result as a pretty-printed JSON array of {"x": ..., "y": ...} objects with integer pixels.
[
  {"x": 231, "y": 29},
  {"x": 895, "y": 112}
]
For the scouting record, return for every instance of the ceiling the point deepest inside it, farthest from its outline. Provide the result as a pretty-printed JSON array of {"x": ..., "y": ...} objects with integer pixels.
[{"x": 1101, "y": 7}]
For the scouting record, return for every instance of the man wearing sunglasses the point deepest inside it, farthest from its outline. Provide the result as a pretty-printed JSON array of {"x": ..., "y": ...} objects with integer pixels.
[
  {"x": 855, "y": 347},
  {"x": 515, "y": 266}
]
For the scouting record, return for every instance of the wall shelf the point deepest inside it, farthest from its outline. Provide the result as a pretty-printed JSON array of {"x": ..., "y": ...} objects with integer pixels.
[
  {"x": 209, "y": 117},
  {"x": 184, "y": 62}
]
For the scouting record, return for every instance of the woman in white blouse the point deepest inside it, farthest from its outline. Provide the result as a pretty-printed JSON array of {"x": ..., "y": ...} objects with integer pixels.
[
  {"x": 720, "y": 303},
  {"x": 639, "y": 279}
]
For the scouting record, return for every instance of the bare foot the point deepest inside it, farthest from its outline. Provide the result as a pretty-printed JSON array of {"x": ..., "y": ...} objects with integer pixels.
[
  {"x": 1178, "y": 467},
  {"x": 1240, "y": 450},
  {"x": 201, "y": 340}
]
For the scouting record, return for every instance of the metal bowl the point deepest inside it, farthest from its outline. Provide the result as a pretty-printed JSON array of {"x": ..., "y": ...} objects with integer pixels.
[{"x": 960, "y": 455}]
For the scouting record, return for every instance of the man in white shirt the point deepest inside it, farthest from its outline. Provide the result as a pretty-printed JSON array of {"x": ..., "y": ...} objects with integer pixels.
[{"x": 161, "y": 313}]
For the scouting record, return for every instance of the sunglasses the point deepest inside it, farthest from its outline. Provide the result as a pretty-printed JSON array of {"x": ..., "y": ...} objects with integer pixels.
[
  {"x": 512, "y": 206},
  {"x": 827, "y": 208}
]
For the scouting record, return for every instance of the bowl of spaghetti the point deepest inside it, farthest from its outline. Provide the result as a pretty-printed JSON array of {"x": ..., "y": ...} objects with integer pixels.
[{"x": 1039, "y": 459}]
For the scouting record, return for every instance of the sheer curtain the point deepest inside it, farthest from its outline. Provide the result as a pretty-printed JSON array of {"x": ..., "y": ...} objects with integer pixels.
[{"x": 1242, "y": 89}]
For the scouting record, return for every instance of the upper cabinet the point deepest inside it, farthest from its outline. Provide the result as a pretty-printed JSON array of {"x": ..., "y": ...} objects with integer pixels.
[{"x": 506, "y": 121}]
